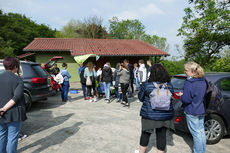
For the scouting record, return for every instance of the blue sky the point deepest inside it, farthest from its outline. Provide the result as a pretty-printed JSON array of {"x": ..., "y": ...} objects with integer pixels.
[{"x": 160, "y": 17}]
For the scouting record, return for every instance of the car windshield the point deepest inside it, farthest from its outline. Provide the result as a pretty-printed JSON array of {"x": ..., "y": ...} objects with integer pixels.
[{"x": 178, "y": 82}]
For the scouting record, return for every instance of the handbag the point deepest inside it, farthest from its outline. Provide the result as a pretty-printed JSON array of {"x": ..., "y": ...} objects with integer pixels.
[{"x": 88, "y": 81}]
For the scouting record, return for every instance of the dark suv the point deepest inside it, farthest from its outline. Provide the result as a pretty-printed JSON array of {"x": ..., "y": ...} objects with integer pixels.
[
  {"x": 217, "y": 119},
  {"x": 37, "y": 82}
]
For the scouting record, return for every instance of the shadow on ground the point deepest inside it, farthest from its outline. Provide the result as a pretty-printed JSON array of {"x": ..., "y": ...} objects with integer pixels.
[
  {"x": 45, "y": 121},
  {"x": 55, "y": 138}
]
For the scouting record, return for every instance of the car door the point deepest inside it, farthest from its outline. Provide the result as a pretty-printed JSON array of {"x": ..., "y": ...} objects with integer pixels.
[{"x": 224, "y": 86}]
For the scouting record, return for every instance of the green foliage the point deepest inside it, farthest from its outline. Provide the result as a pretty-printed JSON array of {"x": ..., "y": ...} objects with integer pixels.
[
  {"x": 91, "y": 27},
  {"x": 206, "y": 30},
  {"x": 5, "y": 49},
  {"x": 222, "y": 64},
  {"x": 18, "y": 31},
  {"x": 126, "y": 29},
  {"x": 174, "y": 67}
]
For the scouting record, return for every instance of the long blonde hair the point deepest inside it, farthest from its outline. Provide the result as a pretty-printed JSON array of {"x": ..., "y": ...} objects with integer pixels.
[
  {"x": 90, "y": 66},
  {"x": 195, "y": 68}
]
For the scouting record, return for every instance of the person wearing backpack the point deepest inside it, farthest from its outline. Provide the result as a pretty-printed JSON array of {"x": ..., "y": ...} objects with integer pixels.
[
  {"x": 107, "y": 78},
  {"x": 192, "y": 98},
  {"x": 156, "y": 118},
  {"x": 81, "y": 71},
  {"x": 90, "y": 75}
]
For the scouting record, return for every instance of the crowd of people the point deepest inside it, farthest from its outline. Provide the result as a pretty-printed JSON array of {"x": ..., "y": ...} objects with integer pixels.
[{"x": 156, "y": 111}]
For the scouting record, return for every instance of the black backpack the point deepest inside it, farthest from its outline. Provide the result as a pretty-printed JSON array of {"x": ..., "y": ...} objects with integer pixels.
[
  {"x": 213, "y": 98},
  {"x": 82, "y": 78}
]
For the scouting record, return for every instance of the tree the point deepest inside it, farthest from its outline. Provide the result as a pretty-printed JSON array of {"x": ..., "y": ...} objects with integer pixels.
[
  {"x": 17, "y": 31},
  {"x": 90, "y": 27},
  {"x": 205, "y": 28},
  {"x": 222, "y": 64},
  {"x": 126, "y": 29}
]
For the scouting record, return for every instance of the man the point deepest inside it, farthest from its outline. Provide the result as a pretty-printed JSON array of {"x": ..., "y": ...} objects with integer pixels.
[
  {"x": 142, "y": 72},
  {"x": 55, "y": 69}
]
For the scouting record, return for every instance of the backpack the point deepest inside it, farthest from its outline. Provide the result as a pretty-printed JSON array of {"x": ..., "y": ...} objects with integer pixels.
[
  {"x": 82, "y": 78},
  {"x": 213, "y": 97},
  {"x": 160, "y": 97}
]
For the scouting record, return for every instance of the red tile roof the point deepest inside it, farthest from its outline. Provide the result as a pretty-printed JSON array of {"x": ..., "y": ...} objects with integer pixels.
[{"x": 106, "y": 47}]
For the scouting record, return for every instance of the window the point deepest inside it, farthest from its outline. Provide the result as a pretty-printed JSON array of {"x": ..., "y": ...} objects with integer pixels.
[{"x": 225, "y": 84}]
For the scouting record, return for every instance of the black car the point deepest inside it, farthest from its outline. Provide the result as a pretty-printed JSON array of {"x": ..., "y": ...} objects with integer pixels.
[
  {"x": 217, "y": 119},
  {"x": 37, "y": 82}
]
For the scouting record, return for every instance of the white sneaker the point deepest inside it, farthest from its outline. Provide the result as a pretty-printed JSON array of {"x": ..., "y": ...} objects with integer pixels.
[
  {"x": 136, "y": 151},
  {"x": 95, "y": 99},
  {"x": 91, "y": 100}
]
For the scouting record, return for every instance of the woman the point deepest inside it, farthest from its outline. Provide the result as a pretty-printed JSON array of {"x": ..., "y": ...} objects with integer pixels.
[
  {"x": 192, "y": 98},
  {"x": 65, "y": 84},
  {"x": 12, "y": 105},
  {"x": 91, "y": 73},
  {"x": 152, "y": 119},
  {"x": 124, "y": 80},
  {"x": 107, "y": 78},
  {"x": 116, "y": 78}
]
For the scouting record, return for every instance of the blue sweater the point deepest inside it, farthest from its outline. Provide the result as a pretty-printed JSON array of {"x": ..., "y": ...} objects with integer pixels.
[
  {"x": 193, "y": 96},
  {"x": 146, "y": 109}
]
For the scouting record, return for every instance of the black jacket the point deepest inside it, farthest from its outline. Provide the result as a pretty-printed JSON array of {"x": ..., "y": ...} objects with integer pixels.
[
  {"x": 12, "y": 87},
  {"x": 107, "y": 75}
]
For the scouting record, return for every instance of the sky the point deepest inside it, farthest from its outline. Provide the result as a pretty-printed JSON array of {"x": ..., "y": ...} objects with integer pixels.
[{"x": 160, "y": 17}]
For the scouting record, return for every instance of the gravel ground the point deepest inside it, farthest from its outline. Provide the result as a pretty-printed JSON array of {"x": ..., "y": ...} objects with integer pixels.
[{"x": 83, "y": 127}]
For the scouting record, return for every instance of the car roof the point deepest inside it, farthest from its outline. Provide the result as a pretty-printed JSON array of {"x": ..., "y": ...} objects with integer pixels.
[{"x": 210, "y": 76}]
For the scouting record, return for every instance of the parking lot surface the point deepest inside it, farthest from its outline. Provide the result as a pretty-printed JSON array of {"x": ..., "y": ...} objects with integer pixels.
[{"x": 82, "y": 127}]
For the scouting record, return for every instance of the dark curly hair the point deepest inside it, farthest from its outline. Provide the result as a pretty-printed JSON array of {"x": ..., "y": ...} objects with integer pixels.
[{"x": 158, "y": 74}]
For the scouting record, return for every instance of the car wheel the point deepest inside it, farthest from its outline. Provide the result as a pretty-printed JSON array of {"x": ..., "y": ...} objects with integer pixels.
[
  {"x": 214, "y": 128},
  {"x": 28, "y": 101}
]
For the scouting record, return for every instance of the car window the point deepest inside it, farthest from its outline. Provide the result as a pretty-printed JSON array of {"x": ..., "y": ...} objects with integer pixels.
[
  {"x": 225, "y": 84},
  {"x": 178, "y": 82},
  {"x": 40, "y": 72}
]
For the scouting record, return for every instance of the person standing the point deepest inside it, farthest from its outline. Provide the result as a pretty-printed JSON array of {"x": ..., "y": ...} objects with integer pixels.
[
  {"x": 149, "y": 63},
  {"x": 155, "y": 119},
  {"x": 107, "y": 78},
  {"x": 55, "y": 70},
  {"x": 142, "y": 72},
  {"x": 192, "y": 97},
  {"x": 136, "y": 71},
  {"x": 124, "y": 80},
  {"x": 116, "y": 79},
  {"x": 91, "y": 74},
  {"x": 12, "y": 105},
  {"x": 130, "y": 66},
  {"x": 65, "y": 84},
  {"x": 81, "y": 71}
]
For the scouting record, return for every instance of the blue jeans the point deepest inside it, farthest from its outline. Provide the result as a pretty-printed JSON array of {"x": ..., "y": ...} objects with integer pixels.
[
  {"x": 117, "y": 94},
  {"x": 107, "y": 89},
  {"x": 64, "y": 91},
  {"x": 137, "y": 83},
  {"x": 83, "y": 86},
  {"x": 9, "y": 136},
  {"x": 196, "y": 128}
]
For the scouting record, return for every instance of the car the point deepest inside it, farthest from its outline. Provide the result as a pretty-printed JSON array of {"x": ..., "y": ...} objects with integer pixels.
[
  {"x": 217, "y": 118},
  {"x": 37, "y": 82}
]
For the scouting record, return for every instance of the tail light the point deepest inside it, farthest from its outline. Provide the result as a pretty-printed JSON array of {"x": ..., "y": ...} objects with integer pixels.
[
  {"x": 175, "y": 95},
  {"x": 178, "y": 119},
  {"x": 38, "y": 80}
]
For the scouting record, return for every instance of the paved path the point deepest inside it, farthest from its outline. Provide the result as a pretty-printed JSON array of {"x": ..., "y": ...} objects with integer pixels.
[{"x": 83, "y": 127}]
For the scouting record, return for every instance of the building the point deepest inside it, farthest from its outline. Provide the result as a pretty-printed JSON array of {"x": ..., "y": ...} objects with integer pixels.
[{"x": 112, "y": 50}]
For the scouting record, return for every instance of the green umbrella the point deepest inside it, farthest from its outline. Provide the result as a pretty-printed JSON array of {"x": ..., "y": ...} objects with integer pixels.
[{"x": 83, "y": 58}]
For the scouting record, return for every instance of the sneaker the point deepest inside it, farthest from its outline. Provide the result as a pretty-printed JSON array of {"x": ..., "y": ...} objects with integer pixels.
[
  {"x": 91, "y": 100},
  {"x": 136, "y": 151},
  {"x": 107, "y": 101},
  {"x": 87, "y": 98},
  {"x": 118, "y": 100},
  {"x": 95, "y": 99}
]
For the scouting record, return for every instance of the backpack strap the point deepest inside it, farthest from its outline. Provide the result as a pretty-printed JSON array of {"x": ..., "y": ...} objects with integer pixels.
[{"x": 158, "y": 87}]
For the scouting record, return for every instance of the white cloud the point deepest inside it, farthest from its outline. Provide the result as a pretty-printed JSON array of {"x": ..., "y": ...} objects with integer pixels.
[
  {"x": 146, "y": 11},
  {"x": 166, "y": 1}
]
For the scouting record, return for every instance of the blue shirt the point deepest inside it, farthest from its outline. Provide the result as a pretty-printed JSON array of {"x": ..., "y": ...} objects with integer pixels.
[
  {"x": 193, "y": 96},
  {"x": 65, "y": 74},
  {"x": 80, "y": 69}
]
